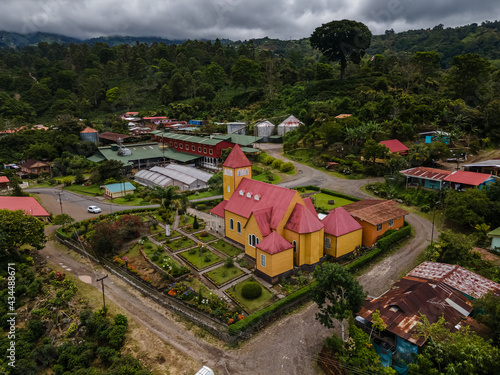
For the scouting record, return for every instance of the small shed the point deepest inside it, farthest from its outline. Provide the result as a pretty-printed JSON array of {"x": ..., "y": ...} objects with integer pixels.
[
  {"x": 4, "y": 182},
  {"x": 118, "y": 190},
  {"x": 236, "y": 128},
  {"x": 495, "y": 239},
  {"x": 265, "y": 129},
  {"x": 291, "y": 123}
]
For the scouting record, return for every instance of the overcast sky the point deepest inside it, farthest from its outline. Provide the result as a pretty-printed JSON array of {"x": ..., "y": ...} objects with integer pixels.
[{"x": 233, "y": 19}]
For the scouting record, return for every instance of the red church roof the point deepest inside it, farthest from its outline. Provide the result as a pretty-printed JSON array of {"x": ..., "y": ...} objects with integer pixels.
[
  {"x": 394, "y": 145},
  {"x": 251, "y": 195},
  {"x": 263, "y": 219},
  {"x": 303, "y": 221},
  {"x": 467, "y": 178},
  {"x": 237, "y": 159},
  {"x": 27, "y": 204},
  {"x": 219, "y": 209},
  {"x": 310, "y": 205},
  {"x": 274, "y": 243},
  {"x": 340, "y": 222}
]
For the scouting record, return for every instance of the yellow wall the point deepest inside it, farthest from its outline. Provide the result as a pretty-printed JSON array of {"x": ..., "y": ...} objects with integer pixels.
[
  {"x": 276, "y": 264},
  {"x": 309, "y": 246},
  {"x": 118, "y": 194},
  {"x": 234, "y": 180},
  {"x": 251, "y": 227},
  {"x": 233, "y": 234},
  {"x": 370, "y": 233},
  {"x": 345, "y": 244}
]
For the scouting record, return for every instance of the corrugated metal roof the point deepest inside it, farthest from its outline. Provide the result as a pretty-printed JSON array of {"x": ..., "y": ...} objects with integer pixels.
[
  {"x": 150, "y": 178},
  {"x": 457, "y": 277},
  {"x": 401, "y": 307},
  {"x": 394, "y": 145},
  {"x": 427, "y": 173},
  {"x": 26, "y": 204},
  {"x": 114, "y": 188},
  {"x": 265, "y": 124},
  {"x": 494, "y": 232},
  {"x": 375, "y": 211},
  {"x": 291, "y": 121},
  {"x": 243, "y": 201},
  {"x": 190, "y": 171},
  {"x": 191, "y": 138},
  {"x": 274, "y": 244},
  {"x": 175, "y": 175},
  {"x": 485, "y": 163},
  {"x": 340, "y": 222},
  {"x": 467, "y": 178}
]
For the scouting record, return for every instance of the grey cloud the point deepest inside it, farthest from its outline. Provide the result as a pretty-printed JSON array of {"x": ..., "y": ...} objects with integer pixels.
[{"x": 233, "y": 19}]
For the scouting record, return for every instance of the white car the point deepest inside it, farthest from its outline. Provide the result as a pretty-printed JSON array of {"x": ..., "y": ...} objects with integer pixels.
[{"x": 94, "y": 210}]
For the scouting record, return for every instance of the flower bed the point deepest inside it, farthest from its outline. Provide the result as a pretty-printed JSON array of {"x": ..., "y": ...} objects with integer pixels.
[
  {"x": 181, "y": 243},
  {"x": 226, "y": 248},
  {"x": 162, "y": 236},
  {"x": 253, "y": 304},
  {"x": 189, "y": 228},
  {"x": 205, "y": 236},
  {"x": 207, "y": 303},
  {"x": 200, "y": 257},
  {"x": 166, "y": 263},
  {"x": 224, "y": 274}
]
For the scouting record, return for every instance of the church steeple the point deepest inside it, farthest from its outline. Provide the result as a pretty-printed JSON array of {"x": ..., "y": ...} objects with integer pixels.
[{"x": 236, "y": 167}]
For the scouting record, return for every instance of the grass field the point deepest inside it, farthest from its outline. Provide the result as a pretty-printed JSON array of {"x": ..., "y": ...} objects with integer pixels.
[
  {"x": 181, "y": 243},
  {"x": 224, "y": 274},
  {"x": 129, "y": 202},
  {"x": 200, "y": 262},
  {"x": 226, "y": 248},
  {"x": 87, "y": 190},
  {"x": 253, "y": 304},
  {"x": 321, "y": 200},
  {"x": 205, "y": 194},
  {"x": 162, "y": 236},
  {"x": 208, "y": 237}
]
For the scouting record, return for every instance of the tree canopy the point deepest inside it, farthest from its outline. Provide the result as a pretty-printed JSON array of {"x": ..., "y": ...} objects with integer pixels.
[
  {"x": 342, "y": 41},
  {"x": 18, "y": 229}
]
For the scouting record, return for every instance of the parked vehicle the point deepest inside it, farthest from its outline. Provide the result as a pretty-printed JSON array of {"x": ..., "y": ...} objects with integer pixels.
[
  {"x": 205, "y": 371},
  {"x": 94, "y": 210}
]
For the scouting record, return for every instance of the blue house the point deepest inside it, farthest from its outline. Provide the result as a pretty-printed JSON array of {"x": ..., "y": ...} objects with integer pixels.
[{"x": 118, "y": 190}]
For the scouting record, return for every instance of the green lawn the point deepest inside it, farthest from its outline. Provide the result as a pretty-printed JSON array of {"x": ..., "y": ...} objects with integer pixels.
[
  {"x": 226, "y": 248},
  {"x": 205, "y": 194},
  {"x": 86, "y": 190},
  {"x": 257, "y": 167},
  {"x": 208, "y": 237},
  {"x": 254, "y": 304},
  {"x": 321, "y": 200},
  {"x": 187, "y": 219},
  {"x": 162, "y": 236},
  {"x": 223, "y": 274},
  {"x": 181, "y": 243},
  {"x": 158, "y": 229},
  {"x": 129, "y": 202},
  {"x": 200, "y": 262}
]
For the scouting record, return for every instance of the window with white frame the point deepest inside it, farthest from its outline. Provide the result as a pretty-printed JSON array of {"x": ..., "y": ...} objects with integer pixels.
[
  {"x": 391, "y": 222},
  {"x": 238, "y": 227},
  {"x": 231, "y": 224},
  {"x": 228, "y": 188},
  {"x": 379, "y": 227},
  {"x": 228, "y": 172},
  {"x": 262, "y": 260},
  {"x": 199, "y": 149},
  {"x": 193, "y": 148},
  {"x": 204, "y": 150},
  {"x": 210, "y": 151},
  {"x": 327, "y": 242}
]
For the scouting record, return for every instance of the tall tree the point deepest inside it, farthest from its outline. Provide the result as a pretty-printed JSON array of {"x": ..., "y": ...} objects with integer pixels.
[
  {"x": 342, "y": 41},
  {"x": 18, "y": 229},
  {"x": 337, "y": 293},
  {"x": 245, "y": 73}
]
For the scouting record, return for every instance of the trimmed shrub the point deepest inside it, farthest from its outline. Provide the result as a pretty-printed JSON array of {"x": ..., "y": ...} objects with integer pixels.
[
  {"x": 277, "y": 163},
  {"x": 251, "y": 290},
  {"x": 201, "y": 206},
  {"x": 287, "y": 167}
]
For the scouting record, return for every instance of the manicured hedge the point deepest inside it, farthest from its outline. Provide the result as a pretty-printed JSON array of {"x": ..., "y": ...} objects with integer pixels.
[
  {"x": 340, "y": 195},
  {"x": 255, "y": 318},
  {"x": 207, "y": 202},
  {"x": 385, "y": 242},
  {"x": 308, "y": 187}
]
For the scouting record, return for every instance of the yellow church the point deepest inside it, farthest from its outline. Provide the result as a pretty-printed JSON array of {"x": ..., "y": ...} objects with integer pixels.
[{"x": 279, "y": 229}]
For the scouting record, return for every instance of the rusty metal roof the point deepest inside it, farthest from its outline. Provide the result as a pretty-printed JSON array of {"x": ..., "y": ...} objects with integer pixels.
[
  {"x": 457, "y": 277},
  {"x": 375, "y": 211},
  {"x": 427, "y": 173},
  {"x": 402, "y": 306}
]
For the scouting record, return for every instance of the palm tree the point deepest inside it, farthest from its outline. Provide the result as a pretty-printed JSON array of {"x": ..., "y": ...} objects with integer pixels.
[{"x": 169, "y": 197}]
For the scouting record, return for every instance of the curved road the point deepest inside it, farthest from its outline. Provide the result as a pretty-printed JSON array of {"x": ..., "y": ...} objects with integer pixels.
[{"x": 288, "y": 346}]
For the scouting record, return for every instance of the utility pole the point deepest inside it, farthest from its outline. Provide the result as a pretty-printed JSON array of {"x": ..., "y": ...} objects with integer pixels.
[
  {"x": 60, "y": 200},
  {"x": 103, "y": 299}
]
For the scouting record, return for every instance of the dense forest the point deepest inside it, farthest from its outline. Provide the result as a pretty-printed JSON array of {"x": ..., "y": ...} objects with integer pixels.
[{"x": 409, "y": 84}]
